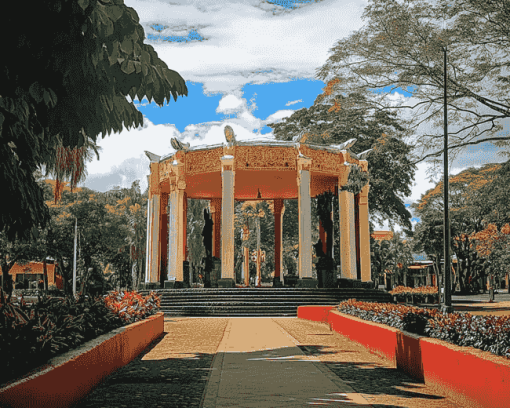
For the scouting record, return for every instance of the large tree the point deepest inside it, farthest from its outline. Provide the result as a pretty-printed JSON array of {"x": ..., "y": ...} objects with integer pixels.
[
  {"x": 401, "y": 45},
  {"x": 473, "y": 197},
  {"x": 391, "y": 171},
  {"x": 66, "y": 76}
]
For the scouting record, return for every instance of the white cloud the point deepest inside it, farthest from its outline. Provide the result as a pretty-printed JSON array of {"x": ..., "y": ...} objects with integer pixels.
[
  {"x": 230, "y": 104},
  {"x": 279, "y": 115},
  {"x": 242, "y": 38},
  {"x": 293, "y": 102},
  {"x": 131, "y": 143},
  {"x": 422, "y": 182}
]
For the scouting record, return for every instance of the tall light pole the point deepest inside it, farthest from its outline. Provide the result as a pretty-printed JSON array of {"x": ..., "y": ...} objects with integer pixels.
[
  {"x": 74, "y": 263},
  {"x": 447, "y": 306}
]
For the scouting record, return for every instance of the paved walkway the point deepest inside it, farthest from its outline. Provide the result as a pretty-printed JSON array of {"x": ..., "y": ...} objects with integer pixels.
[{"x": 258, "y": 362}]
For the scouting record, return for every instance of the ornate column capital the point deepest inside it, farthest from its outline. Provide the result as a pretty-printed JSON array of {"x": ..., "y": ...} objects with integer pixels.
[
  {"x": 343, "y": 177},
  {"x": 227, "y": 163},
  {"x": 303, "y": 163},
  {"x": 154, "y": 187}
]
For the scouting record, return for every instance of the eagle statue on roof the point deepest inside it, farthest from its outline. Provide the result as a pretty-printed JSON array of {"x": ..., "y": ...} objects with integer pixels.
[{"x": 178, "y": 145}]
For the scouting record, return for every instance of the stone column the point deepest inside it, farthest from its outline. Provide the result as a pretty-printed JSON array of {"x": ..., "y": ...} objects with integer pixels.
[
  {"x": 364, "y": 235},
  {"x": 227, "y": 222},
  {"x": 216, "y": 217},
  {"x": 279, "y": 210},
  {"x": 185, "y": 226},
  {"x": 347, "y": 229},
  {"x": 305, "y": 223},
  {"x": 176, "y": 228},
  {"x": 153, "y": 217},
  {"x": 163, "y": 238},
  {"x": 246, "y": 266}
]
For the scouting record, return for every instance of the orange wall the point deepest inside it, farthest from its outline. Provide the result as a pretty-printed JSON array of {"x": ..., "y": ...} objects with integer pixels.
[
  {"x": 65, "y": 383},
  {"x": 470, "y": 377},
  {"x": 37, "y": 268}
]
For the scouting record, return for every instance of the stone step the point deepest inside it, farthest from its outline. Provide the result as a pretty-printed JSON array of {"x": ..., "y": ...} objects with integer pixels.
[{"x": 256, "y": 301}]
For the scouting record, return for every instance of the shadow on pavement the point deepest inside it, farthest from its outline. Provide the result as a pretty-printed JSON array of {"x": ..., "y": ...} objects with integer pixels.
[
  {"x": 373, "y": 379},
  {"x": 166, "y": 382}
]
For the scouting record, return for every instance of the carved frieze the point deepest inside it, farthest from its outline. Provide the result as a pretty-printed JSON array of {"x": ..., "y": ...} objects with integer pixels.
[
  {"x": 203, "y": 161},
  {"x": 323, "y": 161},
  {"x": 265, "y": 158}
]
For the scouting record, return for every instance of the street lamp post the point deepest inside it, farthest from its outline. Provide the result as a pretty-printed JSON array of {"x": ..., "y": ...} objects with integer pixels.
[{"x": 447, "y": 306}]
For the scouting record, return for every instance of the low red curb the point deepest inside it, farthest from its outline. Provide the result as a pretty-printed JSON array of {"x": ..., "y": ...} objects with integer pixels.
[
  {"x": 469, "y": 376},
  {"x": 70, "y": 377},
  {"x": 315, "y": 313}
]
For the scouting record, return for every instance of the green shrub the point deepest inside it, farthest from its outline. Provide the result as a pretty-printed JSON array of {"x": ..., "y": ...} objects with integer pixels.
[
  {"x": 488, "y": 333},
  {"x": 30, "y": 334}
]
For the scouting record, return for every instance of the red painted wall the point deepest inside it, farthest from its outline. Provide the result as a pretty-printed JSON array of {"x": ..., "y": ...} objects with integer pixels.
[
  {"x": 470, "y": 377},
  {"x": 67, "y": 382},
  {"x": 315, "y": 313}
]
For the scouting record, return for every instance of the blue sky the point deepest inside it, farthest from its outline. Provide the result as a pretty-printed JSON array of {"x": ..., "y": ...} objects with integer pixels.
[{"x": 263, "y": 99}]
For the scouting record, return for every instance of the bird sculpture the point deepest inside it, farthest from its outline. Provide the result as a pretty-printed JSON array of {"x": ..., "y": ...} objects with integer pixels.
[
  {"x": 178, "y": 145},
  {"x": 154, "y": 158},
  {"x": 363, "y": 155},
  {"x": 346, "y": 145},
  {"x": 230, "y": 136},
  {"x": 301, "y": 138}
]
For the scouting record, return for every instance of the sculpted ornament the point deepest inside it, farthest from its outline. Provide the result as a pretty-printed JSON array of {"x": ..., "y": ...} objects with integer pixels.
[
  {"x": 265, "y": 158},
  {"x": 181, "y": 184},
  {"x": 178, "y": 145},
  {"x": 231, "y": 141},
  {"x": 206, "y": 161}
]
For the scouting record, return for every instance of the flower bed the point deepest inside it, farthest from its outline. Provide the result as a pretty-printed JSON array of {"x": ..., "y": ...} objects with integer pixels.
[
  {"x": 69, "y": 377},
  {"x": 31, "y": 334},
  {"x": 421, "y": 294},
  {"x": 470, "y": 377},
  {"x": 488, "y": 333}
]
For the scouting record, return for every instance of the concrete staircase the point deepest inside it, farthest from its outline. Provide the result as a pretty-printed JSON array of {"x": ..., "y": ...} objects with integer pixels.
[{"x": 257, "y": 301}]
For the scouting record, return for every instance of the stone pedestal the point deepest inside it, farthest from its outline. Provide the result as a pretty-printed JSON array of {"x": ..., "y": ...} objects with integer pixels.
[
  {"x": 215, "y": 275},
  {"x": 153, "y": 285},
  {"x": 290, "y": 280},
  {"x": 170, "y": 284},
  {"x": 185, "y": 268},
  {"x": 226, "y": 283},
  {"x": 307, "y": 283}
]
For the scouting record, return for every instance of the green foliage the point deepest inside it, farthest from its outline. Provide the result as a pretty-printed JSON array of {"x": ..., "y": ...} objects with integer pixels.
[
  {"x": 488, "y": 333},
  {"x": 401, "y": 45},
  {"x": 356, "y": 180},
  {"x": 30, "y": 334},
  {"x": 390, "y": 166},
  {"x": 393, "y": 255},
  {"x": 476, "y": 198},
  {"x": 93, "y": 49}
]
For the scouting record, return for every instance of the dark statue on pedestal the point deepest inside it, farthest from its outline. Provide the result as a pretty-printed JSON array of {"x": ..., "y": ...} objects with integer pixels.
[{"x": 207, "y": 234}]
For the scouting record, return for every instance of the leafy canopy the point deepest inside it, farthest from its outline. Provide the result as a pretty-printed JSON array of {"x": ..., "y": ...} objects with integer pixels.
[
  {"x": 401, "y": 45},
  {"x": 335, "y": 121},
  {"x": 65, "y": 83}
]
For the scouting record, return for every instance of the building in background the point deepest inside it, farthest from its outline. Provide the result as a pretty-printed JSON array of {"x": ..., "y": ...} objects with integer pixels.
[{"x": 31, "y": 275}]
